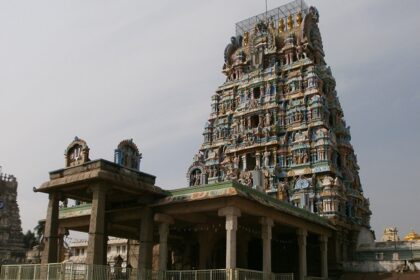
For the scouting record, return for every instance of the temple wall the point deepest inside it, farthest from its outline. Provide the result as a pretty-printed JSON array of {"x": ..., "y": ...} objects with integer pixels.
[{"x": 379, "y": 266}]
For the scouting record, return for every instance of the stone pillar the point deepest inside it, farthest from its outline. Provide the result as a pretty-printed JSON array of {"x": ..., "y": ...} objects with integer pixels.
[
  {"x": 258, "y": 160},
  {"x": 96, "y": 252},
  {"x": 266, "y": 159},
  {"x": 146, "y": 243},
  {"x": 337, "y": 246},
  {"x": 274, "y": 152},
  {"x": 323, "y": 244},
  {"x": 133, "y": 252},
  {"x": 231, "y": 214},
  {"x": 236, "y": 161},
  {"x": 50, "y": 253},
  {"x": 302, "y": 234},
  {"x": 164, "y": 222},
  {"x": 61, "y": 249},
  {"x": 61, "y": 252},
  {"x": 244, "y": 162},
  {"x": 266, "y": 227}
]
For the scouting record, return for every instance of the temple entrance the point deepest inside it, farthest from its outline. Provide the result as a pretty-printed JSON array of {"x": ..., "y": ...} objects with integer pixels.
[
  {"x": 255, "y": 254},
  {"x": 250, "y": 161},
  {"x": 256, "y": 92},
  {"x": 285, "y": 258},
  {"x": 313, "y": 255},
  {"x": 218, "y": 255},
  {"x": 184, "y": 255},
  {"x": 255, "y": 121}
]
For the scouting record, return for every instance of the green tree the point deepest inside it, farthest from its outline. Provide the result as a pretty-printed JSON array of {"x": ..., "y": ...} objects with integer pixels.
[
  {"x": 29, "y": 239},
  {"x": 39, "y": 231}
]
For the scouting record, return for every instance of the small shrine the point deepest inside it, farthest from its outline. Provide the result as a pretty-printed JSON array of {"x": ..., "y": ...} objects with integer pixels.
[
  {"x": 390, "y": 234},
  {"x": 412, "y": 236}
]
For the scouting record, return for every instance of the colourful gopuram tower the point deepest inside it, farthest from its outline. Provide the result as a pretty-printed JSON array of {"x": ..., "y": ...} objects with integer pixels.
[{"x": 276, "y": 123}]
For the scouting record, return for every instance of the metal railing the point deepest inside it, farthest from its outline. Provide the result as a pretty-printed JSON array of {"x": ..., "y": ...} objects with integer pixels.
[
  {"x": 223, "y": 274},
  {"x": 213, "y": 274},
  {"x": 283, "y": 276},
  {"x": 65, "y": 271},
  {"x": 74, "y": 271}
]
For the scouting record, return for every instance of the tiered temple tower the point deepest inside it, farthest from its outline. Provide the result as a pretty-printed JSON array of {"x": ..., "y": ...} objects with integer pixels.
[
  {"x": 276, "y": 123},
  {"x": 11, "y": 238}
]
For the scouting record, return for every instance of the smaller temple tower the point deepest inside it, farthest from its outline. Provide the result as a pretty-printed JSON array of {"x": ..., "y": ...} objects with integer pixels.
[
  {"x": 11, "y": 238},
  {"x": 77, "y": 152},
  {"x": 127, "y": 154}
]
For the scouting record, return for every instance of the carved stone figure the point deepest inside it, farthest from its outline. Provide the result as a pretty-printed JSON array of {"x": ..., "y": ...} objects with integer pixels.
[
  {"x": 289, "y": 22},
  {"x": 266, "y": 158},
  {"x": 299, "y": 136},
  {"x": 299, "y": 18},
  {"x": 266, "y": 180},
  {"x": 282, "y": 191},
  {"x": 248, "y": 180},
  {"x": 305, "y": 158},
  {"x": 246, "y": 39},
  {"x": 267, "y": 121},
  {"x": 272, "y": 42},
  {"x": 281, "y": 26}
]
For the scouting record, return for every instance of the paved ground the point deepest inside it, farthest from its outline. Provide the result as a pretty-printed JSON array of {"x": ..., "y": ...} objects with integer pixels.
[{"x": 381, "y": 276}]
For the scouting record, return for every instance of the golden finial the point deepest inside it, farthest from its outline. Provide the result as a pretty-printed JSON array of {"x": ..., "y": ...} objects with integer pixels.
[
  {"x": 246, "y": 38},
  {"x": 289, "y": 22},
  {"x": 281, "y": 25},
  {"x": 299, "y": 18},
  {"x": 412, "y": 236}
]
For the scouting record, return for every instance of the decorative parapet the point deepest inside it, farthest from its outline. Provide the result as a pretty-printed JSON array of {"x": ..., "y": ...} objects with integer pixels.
[
  {"x": 75, "y": 211},
  {"x": 232, "y": 188},
  {"x": 7, "y": 177}
]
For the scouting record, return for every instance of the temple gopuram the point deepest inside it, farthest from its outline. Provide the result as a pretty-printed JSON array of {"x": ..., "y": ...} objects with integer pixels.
[
  {"x": 273, "y": 193},
  {"x": 276, "y": 123},
  {"x": 11, "y": 237}
]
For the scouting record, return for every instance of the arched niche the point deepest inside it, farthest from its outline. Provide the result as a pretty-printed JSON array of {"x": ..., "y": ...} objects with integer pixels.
[
  {"x": 196, "y": 175},
  {"x": 76, "y": 153},
  {"x": 127, "y": 154}
]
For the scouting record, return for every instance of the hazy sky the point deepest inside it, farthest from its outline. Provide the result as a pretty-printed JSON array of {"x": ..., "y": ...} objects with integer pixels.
[{"x": 109, "y": 70}]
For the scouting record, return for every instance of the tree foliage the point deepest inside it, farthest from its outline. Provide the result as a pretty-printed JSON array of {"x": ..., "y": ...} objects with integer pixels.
[{"x": 29, "y": 239}]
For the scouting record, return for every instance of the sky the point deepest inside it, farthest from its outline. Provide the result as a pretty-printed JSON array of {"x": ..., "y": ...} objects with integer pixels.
[{"x": 111, "y": 70}]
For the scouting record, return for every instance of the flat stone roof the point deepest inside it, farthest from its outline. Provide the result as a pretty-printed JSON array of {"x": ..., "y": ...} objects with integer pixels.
[
  {"x": 73, "y": 181},
  {"x": 231, "y": 188}
]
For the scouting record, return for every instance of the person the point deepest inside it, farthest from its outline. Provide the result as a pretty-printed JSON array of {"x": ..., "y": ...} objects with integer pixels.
[
  {"x": 117, "y": 267},
  {"x": 128, "y": 270}
]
